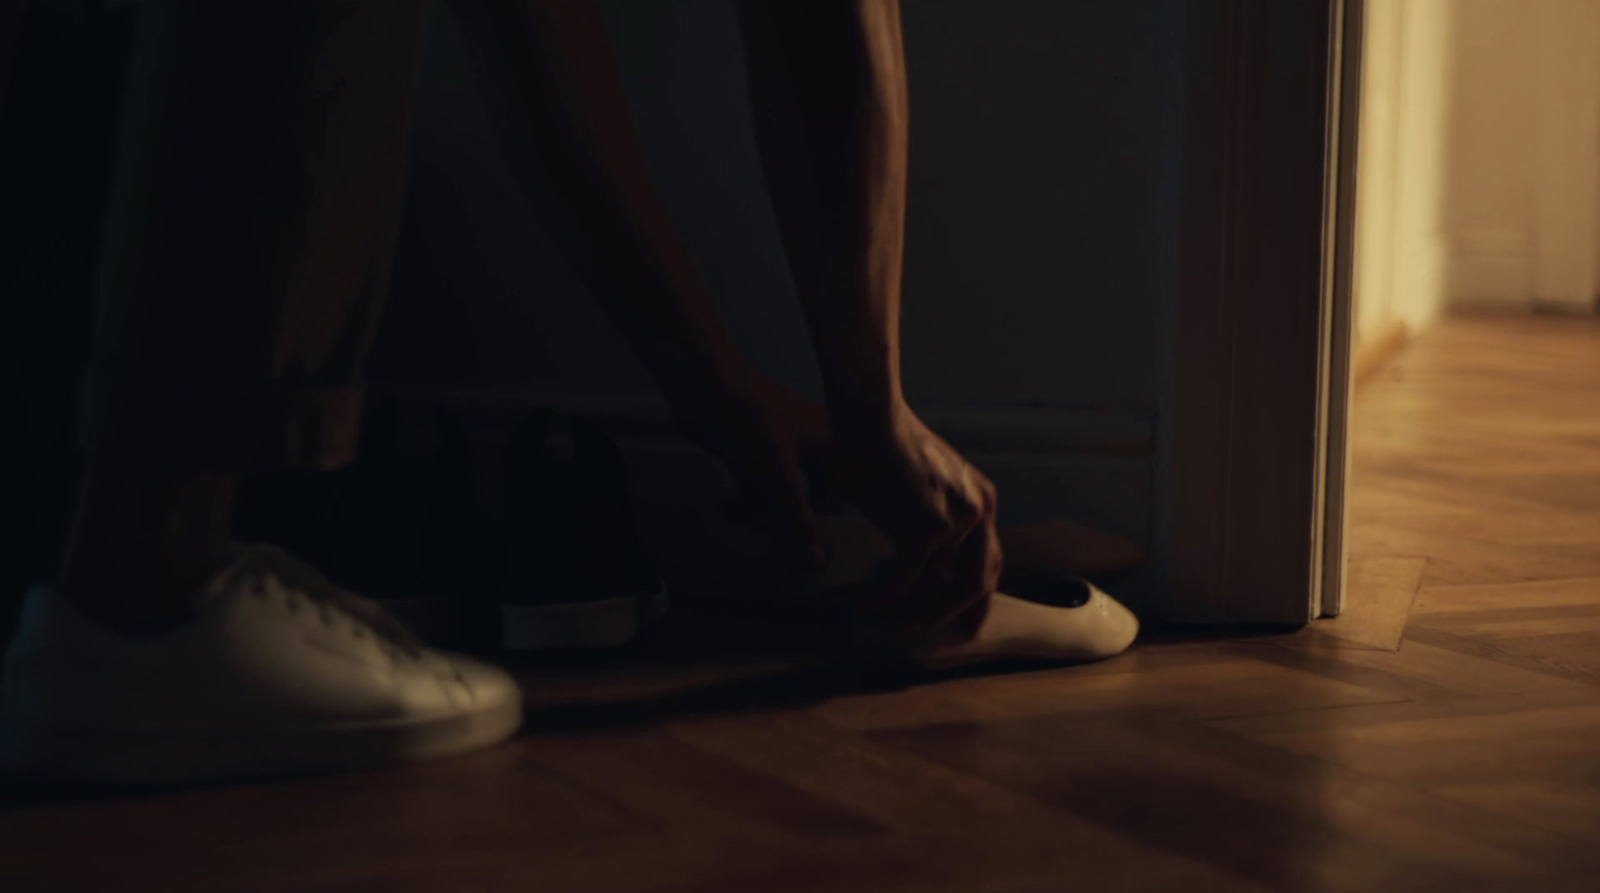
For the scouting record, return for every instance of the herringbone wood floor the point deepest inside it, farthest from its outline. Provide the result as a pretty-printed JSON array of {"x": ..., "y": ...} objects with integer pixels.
[{"x": 1443, "y": 735}]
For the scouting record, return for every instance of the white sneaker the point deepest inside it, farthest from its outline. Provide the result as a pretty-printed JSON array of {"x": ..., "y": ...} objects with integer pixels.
[{"x": 278, "y": 672}]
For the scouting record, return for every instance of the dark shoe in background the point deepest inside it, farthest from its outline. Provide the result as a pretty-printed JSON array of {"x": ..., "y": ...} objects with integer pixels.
[
  {"x": 573, "y": 572},
  {"x": 558, "y": 566},
  {"x": 401, "y": 529}
]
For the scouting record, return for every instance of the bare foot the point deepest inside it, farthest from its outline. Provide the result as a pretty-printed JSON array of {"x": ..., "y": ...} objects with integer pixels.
[{"x": 1057, "y": 546}]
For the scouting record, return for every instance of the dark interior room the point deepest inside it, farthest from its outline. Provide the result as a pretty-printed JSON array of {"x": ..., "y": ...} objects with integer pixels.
[{"x": 788, "y": 445}]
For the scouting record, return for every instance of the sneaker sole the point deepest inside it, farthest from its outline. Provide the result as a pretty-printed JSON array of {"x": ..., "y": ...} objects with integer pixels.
[
  {"x": 142, "y": 758},
  {"x": 580, "y": 626}
]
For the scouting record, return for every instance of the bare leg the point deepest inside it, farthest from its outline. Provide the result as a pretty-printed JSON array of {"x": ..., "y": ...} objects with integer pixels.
[
  {"x": 554, "y": 85},
  {"x": 145, "y": 540},
  {"x": 555, "y": 90},
  {"x": 259, "y": 184},
  {"x": 250, "y": 233},
  {"x": 829, "y": 90},
  {"x": 828, "y": 93}
]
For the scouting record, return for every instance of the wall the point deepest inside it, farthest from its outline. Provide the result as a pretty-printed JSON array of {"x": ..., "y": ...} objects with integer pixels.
[
  {"x": 1566, "y": 228},
  {"x": 1479, "y": 166},
  {"x": 1401, "y": 244},
  {"x": 1489, "y": 205},
  {"x": 1039, "y": 255},
  {"x": 1524, "y": 160}
]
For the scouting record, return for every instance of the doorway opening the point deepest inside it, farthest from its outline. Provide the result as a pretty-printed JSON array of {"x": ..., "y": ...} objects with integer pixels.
[{"x": 1473, "y": 476}]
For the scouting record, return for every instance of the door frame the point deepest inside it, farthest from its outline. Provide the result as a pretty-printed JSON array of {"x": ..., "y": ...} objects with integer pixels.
[{"x": 1258, "y": 446}]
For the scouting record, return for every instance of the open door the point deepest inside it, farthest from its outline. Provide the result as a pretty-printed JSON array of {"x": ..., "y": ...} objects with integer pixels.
[{"x": 1262, "y": 368}]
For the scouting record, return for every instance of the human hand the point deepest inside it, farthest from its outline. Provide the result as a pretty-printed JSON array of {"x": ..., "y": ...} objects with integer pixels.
[
  {"x": 939, "y": 511},
  {"x": 773, "y": 441},
  {"x": 935, "y": 507}
]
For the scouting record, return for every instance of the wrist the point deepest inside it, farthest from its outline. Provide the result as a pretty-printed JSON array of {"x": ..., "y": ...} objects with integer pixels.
[
  {"x": 860, "y": 365},
  {"x": 863, "y": 416}
]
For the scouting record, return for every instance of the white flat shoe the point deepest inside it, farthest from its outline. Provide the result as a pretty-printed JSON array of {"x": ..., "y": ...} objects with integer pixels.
[
  {"x": 1058, "y": 618},
  {"x": 1067, "y": 621},
  {"x": 278, "y": 672}
]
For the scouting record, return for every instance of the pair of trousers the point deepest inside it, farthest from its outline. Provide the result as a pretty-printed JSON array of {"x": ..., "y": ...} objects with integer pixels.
[{"x": 250, "y": 233}]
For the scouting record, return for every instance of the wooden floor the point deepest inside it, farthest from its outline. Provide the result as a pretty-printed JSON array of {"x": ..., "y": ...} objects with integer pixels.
[{"x": 1444, "y": 735}]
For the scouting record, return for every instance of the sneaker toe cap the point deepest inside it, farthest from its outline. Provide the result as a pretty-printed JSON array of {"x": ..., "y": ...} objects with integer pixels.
[{"x": 484, "y": 685}]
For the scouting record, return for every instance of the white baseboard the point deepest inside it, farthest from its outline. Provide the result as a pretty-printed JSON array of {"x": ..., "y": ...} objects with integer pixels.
[
  {"x": 1554, "y": 307},
  {"x": 1490, "y": 270}
]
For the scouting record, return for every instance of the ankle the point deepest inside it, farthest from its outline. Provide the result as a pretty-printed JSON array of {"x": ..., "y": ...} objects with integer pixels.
[{"x": 145, "y": 544}]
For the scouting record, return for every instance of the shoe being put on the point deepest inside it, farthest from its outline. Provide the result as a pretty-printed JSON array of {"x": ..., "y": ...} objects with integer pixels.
[{"x": 1051, "y": 617}]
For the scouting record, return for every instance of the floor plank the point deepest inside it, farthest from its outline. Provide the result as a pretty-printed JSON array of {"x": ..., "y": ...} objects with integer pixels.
[
  {"x": 1439, "y": 737},
  {"x": 1383, "y": 590}
]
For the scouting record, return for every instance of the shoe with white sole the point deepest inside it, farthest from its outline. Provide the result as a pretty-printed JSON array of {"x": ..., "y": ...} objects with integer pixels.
[
  {"x": 400, "y": 524},
  {"x": 1052, "y": 617},
  {"x": 574, "y": 575},
  {"x": 277, "y": 672}
]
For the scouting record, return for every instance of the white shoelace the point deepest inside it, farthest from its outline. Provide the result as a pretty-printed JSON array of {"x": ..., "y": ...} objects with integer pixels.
[{"x": 254, "y": 563}]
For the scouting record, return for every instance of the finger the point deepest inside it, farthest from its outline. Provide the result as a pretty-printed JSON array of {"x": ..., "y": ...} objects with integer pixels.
[
  {"x": 910, "y": 568},
  {"x": 991, "y": 497},
  {"x": 975, "y": 575},
  {"x": 936, "y": 590},
  {"x": 941, "y": 535},
  {"x": 967, "y": 509},
  {"x": 781, "y": 487},
  {"x": 882, "y": 623}
]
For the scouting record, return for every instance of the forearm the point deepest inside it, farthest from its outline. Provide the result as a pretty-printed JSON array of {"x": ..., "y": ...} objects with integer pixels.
[{"x": 828, "y": 89}]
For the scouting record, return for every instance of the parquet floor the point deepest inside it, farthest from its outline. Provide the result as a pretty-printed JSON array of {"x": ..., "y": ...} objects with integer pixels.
[{"x": 1443, "y": 735}]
